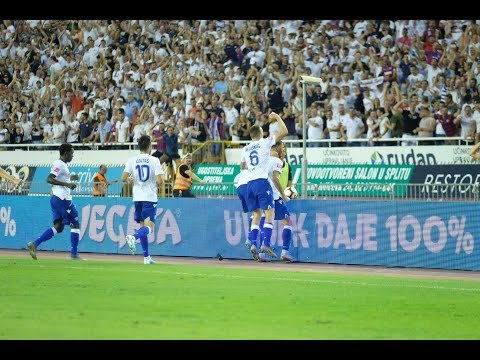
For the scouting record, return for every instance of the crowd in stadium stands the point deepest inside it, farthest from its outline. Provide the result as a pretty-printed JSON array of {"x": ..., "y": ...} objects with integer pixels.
[{"x": 108, "y": 81}]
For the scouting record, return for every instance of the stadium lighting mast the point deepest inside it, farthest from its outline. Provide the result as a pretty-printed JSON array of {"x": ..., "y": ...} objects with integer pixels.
[{"x": 305, "y": 80}]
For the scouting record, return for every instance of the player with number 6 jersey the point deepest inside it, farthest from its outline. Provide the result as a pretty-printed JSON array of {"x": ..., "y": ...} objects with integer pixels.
[{"x": 255, "y": 157}]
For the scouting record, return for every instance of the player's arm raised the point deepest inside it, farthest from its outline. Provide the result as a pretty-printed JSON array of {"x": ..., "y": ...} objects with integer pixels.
[{"x": 283, "y": 131}]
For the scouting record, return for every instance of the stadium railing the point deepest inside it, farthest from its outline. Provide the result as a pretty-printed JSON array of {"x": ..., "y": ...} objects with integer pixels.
[
  {"x": 206, "y": 146},
  {"x": 324, "y": 191}
]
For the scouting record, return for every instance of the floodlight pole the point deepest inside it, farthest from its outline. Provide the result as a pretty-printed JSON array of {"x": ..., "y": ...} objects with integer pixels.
[
  {"x": 305, "y": 80},
  {"x": 304, "y": 140}
]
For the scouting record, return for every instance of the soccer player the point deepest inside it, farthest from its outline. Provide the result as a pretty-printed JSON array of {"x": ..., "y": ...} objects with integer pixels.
[
  {"x": 63, "y": 209},
  {"x": 6, "y": 175},
  {"x": 146, "y": 174},
  {"x": 241, "y": 185},
  {"x": 255, "y": 158},
  {"x": 281, "y": 211},
  {"x": 100, "y": 182}
]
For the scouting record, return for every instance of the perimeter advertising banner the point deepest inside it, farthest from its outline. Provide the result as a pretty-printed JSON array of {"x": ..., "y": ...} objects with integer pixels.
[
  {"x": 453, "y": 180},
  {"x": 389, "y": 233},
  {"x": 216, "y": 174},
  {"x": 347, "y": 180},
  {"x": 356, "y": 180},
  {"x": 35, "y": 179},
  {"x": 25, "y": 172},
  {"x": 380, "y": 155}
]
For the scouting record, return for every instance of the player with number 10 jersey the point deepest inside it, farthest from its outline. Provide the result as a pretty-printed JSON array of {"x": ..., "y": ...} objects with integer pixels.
[{"x": 144, "y": 168}]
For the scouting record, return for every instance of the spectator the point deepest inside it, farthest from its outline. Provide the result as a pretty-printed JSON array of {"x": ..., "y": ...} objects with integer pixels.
[
  {"x": 385, "y": 128},
  {"x": 86, "y": 127},
  {"x": 184, "y": 177},
  {"x": 158, "y": 137},
  {"x": 221, "y": 85},
  {"x": 314, "y": 128},
  {"x": 171, "y": 146},
  {"x": 467, "y": 124},
  {"x": 100, "y": 65},
  {"x": 58, "y": 128},
  {"x": 231, "y": 114},
  {"x": 352, "y": 128},
  {"x": 215, "y": 133},
  {"x": 122, "y": 127},
  {"x": 332, "y": 127},
  {"x": 373, "y": 127},
  {"x": 37, "y": 132},
  {"x": 15, "y": 134},
  {"x": 100, "y": 182},
  {"x": 197, "y": 129},
  {"x": 426, "y": 127},
  {"x": 445, "y": 120},
  {"x": 275, "y": 98},
  {"x": 410, "y": 119},
  {"x": 27, "y": 127},
  {"x": 104, "y": 129}
]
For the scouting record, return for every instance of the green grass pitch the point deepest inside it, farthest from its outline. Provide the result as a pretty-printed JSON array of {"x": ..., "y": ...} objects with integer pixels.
[{"x": 101, "y": 299}]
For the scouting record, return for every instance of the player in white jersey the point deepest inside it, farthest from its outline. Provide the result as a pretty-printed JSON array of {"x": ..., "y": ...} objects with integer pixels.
[
  {"x": 281, "y": 210},
  {"x": 259, "y": 191},
  {"x": 64, "y": 211},
  {"x": 145, "y": 172},
  {"x": 241, "y": 185}
]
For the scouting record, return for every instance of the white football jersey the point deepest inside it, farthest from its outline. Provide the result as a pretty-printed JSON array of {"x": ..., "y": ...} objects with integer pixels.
[
  {"x": 256, "y": 155},
  {"x": 241, "y": 178},
  {"x": 62, "y": 173},
  {"x": 144, "y": 168},
  {"x": 274, "y": 164}
]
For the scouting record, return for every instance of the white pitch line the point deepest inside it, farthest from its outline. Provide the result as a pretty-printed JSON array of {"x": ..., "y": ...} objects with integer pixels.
[{"x": 151, "y": 269}]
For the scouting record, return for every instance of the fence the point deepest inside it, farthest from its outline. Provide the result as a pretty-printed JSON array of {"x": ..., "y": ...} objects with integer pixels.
[
  {"x": 325, "y": 191},
  {"x": 189, "y": 146},
  {"x": 355, "y": 191}
]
